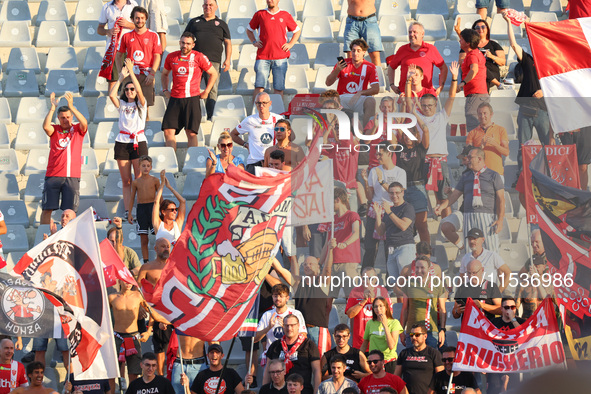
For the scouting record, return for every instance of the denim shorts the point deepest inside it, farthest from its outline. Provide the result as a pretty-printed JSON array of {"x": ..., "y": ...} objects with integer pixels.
[
  {"x": 264, "y": 67},
  {"x": 40, "y": 344},
  {"x": 416, "y": 195},
  {"x": 367, "y": 29},
  {"x": 500, "y": 3}
]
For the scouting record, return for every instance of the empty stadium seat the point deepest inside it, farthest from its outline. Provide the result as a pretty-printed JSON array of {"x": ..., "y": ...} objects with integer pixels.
[
  {"x": 543, "y": 17},
  {"x": 23, "y": 59},
  {"x": 44, "y": 228},
  {"x": 53, "y": 34},
  {"x": 88, "y": 10},
  {"x": 61, "y": 59},
  {"x": 449, "y": 50},
  {"x": 95, "y": 85},
  {"x": 195, "y": 159},
  {"x": 13, "y": 10},
  {"x": 100, "y": 208},
  {"x": 466, "y": 22},
  {"x": 241, "y": 9},
  {"x": 393, "y": 28},
  {"x": 31, "y": 109},
  {"x": 89, "y": 161},
  {"x": 514, "y": 255},
  {"x": 296, "y": 81},
  {"x": 341, "y": 33},
  {"x": 15, "y": 34},
  {"x": 164, "y": 158},
  {"x": 299, "y": 127},
  {"x": 110, "y": 163},
  {"x": 289, "y": 6},
  {"x": 104, "y": 138},
  {"x": 219, "y": 126},
  {"x": 93, "y": 59},
  {"x": 498, "y": 29},
  {"x": 9, "y": 187},
  {"x": 15, "y": 212},
  {"x": 88, "y": 186},
  {"x": 505, "y": 119},
  {"x": 465, "y": 7},
  {"x": 237, "y": 27},
  {"x": 52, "y": 10},
  {"x": 31, "y": 136},
  {"x": 510, "y": 175},
  {"x": 225, "y": 86},
  {"x": 60, "y": 82},
  {"x": 320, "y": 82},
  {"x": 298, "y": 56},
  {"x": 546, "y": 6},
  {"x": 172, "y": 8},
  {"x": 435, "y": 7},
  {"x": 34, "y": 188},
  {"x": 387, "y": 8},
  {"x": 174, "y": 33},
  {"x": 5, "y": 118},
  {"x": 8, "y": 162},
  {"x": 36, "y": 161},
  {"x": 316, "y": 29},
  {"x": 247, "y": 58},
  {"x": 195, "y": 179},
  {"x": 15, "y": 239},
  {"x": 131, "y": 238},
  {"x": 21, "y": 83},
  {"x": 326, "y": 55},
  {"x": 435, "y": 29},
  {"x": 105, "y": 110},
  {"x": 152, "y": 129},
  {"x": 158, "y": 109},
  {"x": 229, "y": 106},
  {"x": 113, "y": 187},
  {"x": 318, "y": 8},
  {"x": 86, "y": 35}
]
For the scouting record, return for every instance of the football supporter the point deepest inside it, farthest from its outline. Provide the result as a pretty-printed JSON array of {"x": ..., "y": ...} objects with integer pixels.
[
  {"x": 356, "y": 366},
  {"x": 379, "y": 378},
  {"x": 337, "y": 382},
  {"x": 208, "y": 378},
  {"x": 460, "y": 381},
  {"x": 35, "y": 374},
  {"x": 150, "y": 382},
  {"x": 12, "y": 372}
]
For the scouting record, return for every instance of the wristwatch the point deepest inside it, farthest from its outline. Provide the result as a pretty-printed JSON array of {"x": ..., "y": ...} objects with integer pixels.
[{"x": 442, "y": 329}]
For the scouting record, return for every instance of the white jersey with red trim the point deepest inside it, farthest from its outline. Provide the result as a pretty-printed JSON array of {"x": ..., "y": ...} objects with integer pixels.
[{"x": 261, "y": 135}]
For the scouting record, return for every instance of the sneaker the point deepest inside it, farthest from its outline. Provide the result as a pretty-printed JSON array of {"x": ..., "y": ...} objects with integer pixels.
[
  {"x": 122, "y": 385},
  {"x": 362, "y": 210},
  {"x": 27, "y": 358}
]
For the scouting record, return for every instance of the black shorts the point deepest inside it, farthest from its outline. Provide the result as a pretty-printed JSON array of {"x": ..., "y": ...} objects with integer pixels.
[
  {"x": 246, "y": 341},
  {"x": 67, "y": 187},
  {"x": 161, "y": 338},
  {"x": 182, "y": 113},
  {"x": 144, "y": 218},
  {"x": 126, "y": 151},
  {"x": 133, "y": 361},
  {"x": 582, "y": 139}
]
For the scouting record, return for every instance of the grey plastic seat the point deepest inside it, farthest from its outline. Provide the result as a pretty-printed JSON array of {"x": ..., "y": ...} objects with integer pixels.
[
  {"x": 21, "y": 83},
  {"x": 44, "y": 229},
  {"x": 15, "y": 239},
  {"x": 9, "y": 187},
  {"x": 448, "y": 50},
  {"x": 320, "y": 82},
  {"x": 4, "y": 137},
  {"x": 36, "y": 161},
  {"x": 164, "y": 158},
  {"x": 23, "y": 59},
  {"x": 31, "y": 109},
  {"x": 543, "y": 17},
  {"x": 158, "y": 109},
  {"x": 467, "y": 20},
  {"x": 241, "y": 9},
  {"x": 88, "y": 186},
  {"x": 152, "y": 129},
  {"x": 326, "y": 55},
  {"x": 393, "y": 28},
  {"x": 435, "y": 7},
  {"x": 498, "y": 29},
  {"x": 89, "y": 162},
  {"x": 131, "y": 238},
  {"x": 61, "y": 59},
  {"x": 298, "y": 56},
  {"x": 225, "y": 86},
  {"x": 435, "y": 29},
  {"x": 195, "y": 159},
  {"x": 229, "y": 106},
  {"x": 52, "y": 10},
  {"x": 318, "y": 8},
  {"x": 88, "y": 10},
  {"x": 247, "y": 58},
  {"x": 240, "y": 152},
  {"x": 276, "y": 104},
  {"x": 110, "y": 163},
  {"x": 5, "y": 117},
  {"x": 105, "y": 135},
  {"x": 60, "y": 82},
  {"x": 237, "y": 27},
  {"x": 8, "y": 162},
  {"x": 34, "y": 188},
  {"x": 289, "y": 6},
  {"x": 95, "y": 85},
  {"x": 86, "y": 35},
  {"x": 100, "y": 208},
  {"x": 316, "y": 29},
  {"x": 546, "y": 6},
  {"x": 246, "y": 81},
  {"x": 15, "y": 34},
  {"x": 53, "y": 34},
  {"x": 464, "y": 7},
  {"x": 343, "y": 24},
  {"x": 12, "y": 259},
  {"x": 174, "y": 32},
  {"x": 17, "y": 11},
  {"x": 113, "y": 187},
  {"x": 219, "y": 126},
  {"x": 15, "y": 212},
  {"x": 105, "y": 110},
  {"x": 401, "y": 7},
  {"x": 81, "y": 106},
  {"x": 31, "y": 136},
  {"x": 296, "y": 81},
  {"x": 172, "y": 8},
  {"x": 93, "y": 59},
  {"x": 193, "y": 184}
]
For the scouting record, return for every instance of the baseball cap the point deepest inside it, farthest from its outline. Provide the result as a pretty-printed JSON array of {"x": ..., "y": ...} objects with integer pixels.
[
  {"x": 475, "y": 233},
  {"x": 215, "y": 346},
  {"x": 465, "y": 152}
]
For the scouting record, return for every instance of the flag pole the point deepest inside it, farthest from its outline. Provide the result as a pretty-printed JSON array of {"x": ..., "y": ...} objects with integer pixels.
[
  {"x": 451, "y": 377},
  {"x": 217, "y": 389},
  {"x": 182, "y": 367},
  {"x": 250, "y": 361}
]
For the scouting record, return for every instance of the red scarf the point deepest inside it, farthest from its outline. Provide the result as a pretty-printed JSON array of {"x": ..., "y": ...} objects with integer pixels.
[
  {"x": 107, "y": 65},
  {"x": 435, "y": 172},
  {"x": 476, "y": 192},
  {"x": 289, "y": 353}
]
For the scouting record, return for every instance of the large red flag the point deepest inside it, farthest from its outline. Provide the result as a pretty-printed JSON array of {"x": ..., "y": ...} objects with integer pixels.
[{"x": 113, "y": 266}]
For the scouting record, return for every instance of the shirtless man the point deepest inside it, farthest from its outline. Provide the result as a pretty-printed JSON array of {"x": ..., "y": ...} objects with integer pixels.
[
  {"x": 362, "y": 23},
  {"x": 151, "y": 271},
  {"x": 293, "y": 152},
  {"x": 35, "y": 371},
  {"x": 125, "y": 306},
  {"x": 193, "y": 351}
]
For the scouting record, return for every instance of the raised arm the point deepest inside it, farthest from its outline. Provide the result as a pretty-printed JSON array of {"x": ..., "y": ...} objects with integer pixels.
[
  {"x": 512, "y": 41},
  {"x": 77, "y": 114},
  {"x": 449, "y": 103},
  {"x": 136, "y": 84},
  {"x": 156, "y": 210},
  {"x": 47, "y": 126}
]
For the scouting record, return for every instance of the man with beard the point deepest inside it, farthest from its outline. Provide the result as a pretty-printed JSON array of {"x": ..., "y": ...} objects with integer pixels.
[
  {"x": 460, "y": 382},
  {"x": 379, "y": 378}
]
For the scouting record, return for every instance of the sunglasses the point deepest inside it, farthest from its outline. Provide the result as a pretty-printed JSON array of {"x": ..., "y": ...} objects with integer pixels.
[
  {"x": 282, "y": 129},
  {"x": 415, "y": 334},
  {"x": 373, "y": 361},
  {"x": 129, "y": 89},
  {"x": 172, "y": 209},
  {"x": 480, "y": 27},
  {"x": 341, "y": 336},
  {"x": 262, "y": 102},
  {"x": 276, "y": 372},
  {"x": 228, "y": 145},
  {"x": 447, "y": 359},
  {"x": 512, "y": 307}
]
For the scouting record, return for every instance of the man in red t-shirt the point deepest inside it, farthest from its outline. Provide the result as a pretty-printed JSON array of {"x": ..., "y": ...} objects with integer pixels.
[
  {"x": 474, "y": 73},
  {"x": 184, "y": 105},
  {"x": 379, "y": 378},
  {"x": 358, "y": 81},
  {"x": 419, "y": 53},
  {"x": 65, "y": 158},
  {"x": 143, "y": 47},
  {"x": 12, "y": 373},
  {"x": 273, "y": 48}
]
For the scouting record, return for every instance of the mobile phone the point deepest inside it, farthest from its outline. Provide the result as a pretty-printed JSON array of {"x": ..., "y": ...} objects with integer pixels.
[
  {"x": 340, "y": 59},
  {"x": 461, "y": 302}
]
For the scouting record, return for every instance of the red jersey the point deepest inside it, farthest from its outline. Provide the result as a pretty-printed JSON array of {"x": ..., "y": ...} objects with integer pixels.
[
  {"x": 343, "y": 228},
  {"x": 359, "y": 321},
  {"x": 12, "y": 375},
  {"x": 371, "y": 385},
  {"x": 425, "y": 57},
  {"x": 478, "y": 84},
  {"x": 273, "y": 30},
  {"x": 186, "y": 73},
  {"x": 579, "y": 9},
  {"x": 65, "y": 152},
  {"x": 141, "y": 48},
  {"x": 353, "y": 80}
]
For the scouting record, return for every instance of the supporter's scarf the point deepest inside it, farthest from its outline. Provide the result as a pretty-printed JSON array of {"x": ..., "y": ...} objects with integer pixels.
[
  {"x": 435, "y": 172},
  {"x": 289, "y": 353},
  {"x": 13, "y": 374},
  {"x": 476, "y": 193},
  {"x": 107, "y": 64},
  {"x": 127, "y": 347}
]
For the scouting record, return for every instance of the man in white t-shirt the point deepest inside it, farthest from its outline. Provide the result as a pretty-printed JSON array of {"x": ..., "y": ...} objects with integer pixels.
[
  {"x": 260, "y": 128},
  {"x": 376, "y": 188}
]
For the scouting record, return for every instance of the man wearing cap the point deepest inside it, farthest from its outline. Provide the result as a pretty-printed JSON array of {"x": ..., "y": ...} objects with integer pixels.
[
  {"x": 484, "y": 199},
  {"x": 208, "y": 378},
  {"x": 495, "y": 269}
]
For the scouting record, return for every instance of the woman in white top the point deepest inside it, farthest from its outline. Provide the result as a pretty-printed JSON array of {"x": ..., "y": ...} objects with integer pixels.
[
  {"x": 167, "y": 218},
  {"x": 131, "y": 143}
]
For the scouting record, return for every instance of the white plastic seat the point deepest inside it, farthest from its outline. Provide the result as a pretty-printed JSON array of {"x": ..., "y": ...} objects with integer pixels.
[
  {"x": 23, "y": 59},
  {"x": 195, "y": 159},
  {"x": 465, "y": 7},
  {"x": 95, "y": 85},
  {"x": 241, "y": 9},
  {"x": 105, "y": 110},
  {"x": 113, "y": 187},
  {"x": 5, "y": 117},
  {"x": 52, "y": 10},
  {"x": 110, "y": 163},
  {"x": 53, "y": 34},
  {"x": 246, "y": 81},
  {"x": 21, "y": 83},
  {"x": 197, "y": 9},
  {"x": 229, "y": 106},
  {"x": 158, "y": 109},
  {"x": 89, "y": 162},
  {"x": 93, "y": 59},
  {"x": 36, "y": 161},
  {"x": 15, "y": 34},
  {"x": 449, "y": 50},
  {"x": 4, "y": 138},
  {"x": 31, "y": 136},
  {"x": 320, "y": 82},
  {"x": 296, "y": 81},
  {"x": 172, "y": 8},
  {"x": 34, "y": 188},
  {"x": 237, "y": 27},
  {"x": 543, "y": 17},
  {"x": 467, "y": 20},
  {"x": 219, "y": 126},
  {"x": 435, "y": 29},
  {"x": 498, "y": 29},
  {"x": 105, "y": 135},
  {"x": 61, "y": 59},
  {"x": 164, "y": 158},
  {"x": 86, "y": 35},
  {"x": 195, "y": 179},
  {"x": 514, "y": 255},
  {"x": 8, "y": 162},
  {"x": 15, "y": 239},
  {"x": 434, "y": 7},
  {"x": 153, "y": 130},
  {"x": 298, "y": 56},
  {"x": 15, "y": 212},
  {"x": 17, "y": 11},
  {"x": 316, "y": 29},
  {"x": 289, "y": 6},
  {"x": 326, "y": 55},
  {"x": 60, "y": 82},
  {"x": 88, "y": 10},
  {"x": 9, "y": 187},
  {"x": 385, "y": 8},
  {"x": 546, "y": 6},
  {"x": 318, "y": 8},
  {"x": 88, "y": 186},
  {"x": 393, "y": 28},
  {"x": 343, "y": 24},
  {"x": 247, "y": 58}
]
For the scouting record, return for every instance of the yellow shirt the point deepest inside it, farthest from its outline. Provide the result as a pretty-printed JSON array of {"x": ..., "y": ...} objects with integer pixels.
[{"x": 492, "y": 158}]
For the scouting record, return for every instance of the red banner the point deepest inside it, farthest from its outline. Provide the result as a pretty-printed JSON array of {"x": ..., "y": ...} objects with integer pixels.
[
  {"x": 564, "y": 167},
  {"x": 113, "y": 266},
  {"x": 535, "y": 344}
]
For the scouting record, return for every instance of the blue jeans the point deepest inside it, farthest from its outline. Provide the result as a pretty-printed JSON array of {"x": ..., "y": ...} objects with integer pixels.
[
  {"x": 191, "y": 370},
  {"x": 525, "y": 130},
  {"x": 264, "y": 67},
  {"x": 367, "y": 29},
  {"x": 40, "y": 344},
  {"x": 401, "y": 257}
]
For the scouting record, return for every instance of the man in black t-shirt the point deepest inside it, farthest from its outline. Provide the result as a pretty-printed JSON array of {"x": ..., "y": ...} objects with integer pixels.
[
  {"x": 417, "y": 365},
  {"x": 213, "y": 36},
  {"x": 149, "y": 382},
  {"x": 486, "y": 295},
  {"x": 356, "y": 362},
  {"x": 99, "y": 386},
  {"x": 460, "y": 382},
  {"x": 299, "y": 353},
  {"x": 207, "y": 380},
  {"x": 277, "y": 385}
]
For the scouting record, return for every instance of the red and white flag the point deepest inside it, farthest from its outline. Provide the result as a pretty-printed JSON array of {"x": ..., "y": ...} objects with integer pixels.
[
  {"x": 68, "y": 264},
  {"x": 113, "y": 266},
  {"x": 535, "y": 344},
  {"x": 562, "y": 55}
]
